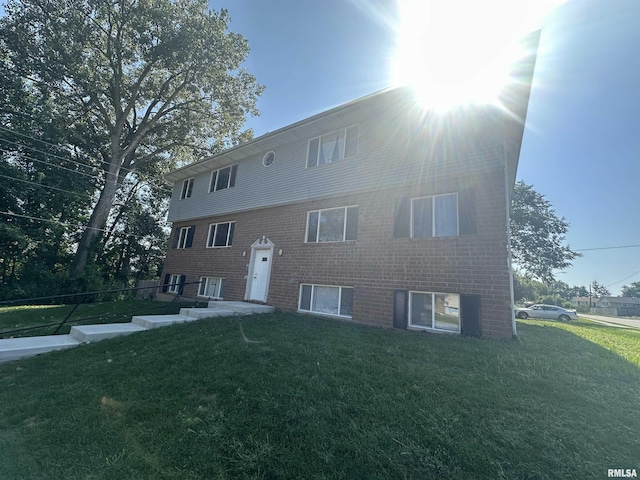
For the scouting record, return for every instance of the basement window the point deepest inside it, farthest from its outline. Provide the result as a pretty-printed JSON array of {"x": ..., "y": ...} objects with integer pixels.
[{"x": 326, "y": 299}]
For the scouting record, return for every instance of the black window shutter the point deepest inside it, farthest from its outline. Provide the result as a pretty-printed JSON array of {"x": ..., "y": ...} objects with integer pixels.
[
  {"x": 467, "y": 211},
  {"x": 232, "y": 180},
  {"x": 176, "y": 237},
  {"x": 183, "y": 280},
  {"x": 470, "y": 314},
  {"x": 165, "y": 285},
  {"x": 352, "y": 224},
  {"x": 402, "y": 221},
  {"x": 222, "y": 283},
  {"x": 400, "y": 309},
  {"x": 190, "y": 232}
]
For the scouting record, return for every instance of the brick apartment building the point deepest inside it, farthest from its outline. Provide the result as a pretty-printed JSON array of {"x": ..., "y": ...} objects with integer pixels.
[{"x": 374, "y": 212}]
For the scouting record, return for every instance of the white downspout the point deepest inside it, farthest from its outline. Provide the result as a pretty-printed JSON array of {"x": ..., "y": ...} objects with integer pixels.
[{"x": 507, "y": 204}]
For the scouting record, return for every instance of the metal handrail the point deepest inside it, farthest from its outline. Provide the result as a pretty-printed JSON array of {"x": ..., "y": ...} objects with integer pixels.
[{"x": 82, "y": 298}]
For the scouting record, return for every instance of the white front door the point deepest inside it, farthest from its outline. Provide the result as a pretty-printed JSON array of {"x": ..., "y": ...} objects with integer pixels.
[{"x": 260, "y": 275}]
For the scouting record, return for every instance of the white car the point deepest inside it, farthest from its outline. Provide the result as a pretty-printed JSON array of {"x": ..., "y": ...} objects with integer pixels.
[{"x": 549, "y": 312}]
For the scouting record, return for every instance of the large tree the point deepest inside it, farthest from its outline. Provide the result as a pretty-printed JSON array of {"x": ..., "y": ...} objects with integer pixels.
[
  {"x": 538, "y": 235},
  {"x": 144, "y": 85}
]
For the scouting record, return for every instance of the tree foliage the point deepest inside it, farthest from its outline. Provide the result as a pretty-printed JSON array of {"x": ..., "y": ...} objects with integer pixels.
[
  {"x": 599, "y": 290},
  {"x": 527, "y": 289},
  {"x": 537, "y": 235},
  {"x": 632, "y": 290},
  {"x": 142, "y": 86},
  {"x": 45, "y": 190}
]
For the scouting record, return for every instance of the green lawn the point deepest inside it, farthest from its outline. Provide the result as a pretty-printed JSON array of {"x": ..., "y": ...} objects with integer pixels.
[
  {"x": 290, "y": 396},
  {"x": 14, "y": 318}
]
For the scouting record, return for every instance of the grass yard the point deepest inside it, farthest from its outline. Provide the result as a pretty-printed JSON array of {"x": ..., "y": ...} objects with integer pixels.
[
  {"x": 14, "y": 318},
  {"x": 310, "y": 398}
]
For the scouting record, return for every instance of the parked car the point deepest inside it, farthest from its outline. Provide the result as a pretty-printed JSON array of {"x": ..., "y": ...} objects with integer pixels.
[{"x": 550, "y": 312}]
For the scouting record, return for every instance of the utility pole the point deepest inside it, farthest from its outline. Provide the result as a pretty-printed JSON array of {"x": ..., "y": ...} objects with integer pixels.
[{"x": 590, "y": 297}]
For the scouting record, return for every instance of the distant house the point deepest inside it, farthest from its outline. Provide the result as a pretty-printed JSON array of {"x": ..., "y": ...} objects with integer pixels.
[
  {"x": 373, "y": 212},
  {"x": 584, "y": 302},
  {"x": 622, "y": 306},
  {"x": 619, "y": 302}
]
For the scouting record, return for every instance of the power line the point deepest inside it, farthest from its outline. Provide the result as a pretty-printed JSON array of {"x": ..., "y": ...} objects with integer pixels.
[
  {"x": 128, "y": 170},
  {"x": 49, "y": 187},
  {"x": 625, "y": 278},
  {"x": 607, "y": 248},
  {"x": 96, "y": 176},
  {"x": 41, "y": 151},
  {"x": 11, "y": 214}
]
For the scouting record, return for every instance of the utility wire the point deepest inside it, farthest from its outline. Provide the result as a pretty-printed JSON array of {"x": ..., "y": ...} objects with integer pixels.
[
  {"x": 607, "y": 248},
  {"x": 625, "y": 278},
  {"x": 128, "y": 170},
  {"x": 47, "y": 186},
  {"x": 22, "y": 155},
  {"x": 79, "y": 227}
]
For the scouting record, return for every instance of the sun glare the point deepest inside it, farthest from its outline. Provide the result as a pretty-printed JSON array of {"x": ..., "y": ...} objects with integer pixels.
[{"x": 456, "y": 52}]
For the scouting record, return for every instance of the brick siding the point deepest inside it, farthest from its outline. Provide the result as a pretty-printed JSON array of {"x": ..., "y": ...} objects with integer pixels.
[{"x": 376, "y": 264}]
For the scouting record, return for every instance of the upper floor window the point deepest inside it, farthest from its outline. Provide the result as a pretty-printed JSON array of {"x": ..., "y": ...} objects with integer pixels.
[
  {"x": 435, "y": 216},
  {"x": 447, "y": 215},
  {"x": 183, "y": 237},
  {"x": 333, "y": 147},
  {"x": 187, "y": 187},
  {"x": 332, "y": 225},
  {"x": 223, "y": 178},
  {"x": 220, "y": 234}
]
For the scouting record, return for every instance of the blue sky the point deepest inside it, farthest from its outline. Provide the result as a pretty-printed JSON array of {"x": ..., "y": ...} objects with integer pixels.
[{"x": 582, "y": 142}]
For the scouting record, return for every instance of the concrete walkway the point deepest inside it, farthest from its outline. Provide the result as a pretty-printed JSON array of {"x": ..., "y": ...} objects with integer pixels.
[{"x": 16, "y": 348}]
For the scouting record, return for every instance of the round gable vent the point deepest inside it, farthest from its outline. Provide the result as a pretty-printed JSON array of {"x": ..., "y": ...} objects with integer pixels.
[{"x": 268, "y": 159}]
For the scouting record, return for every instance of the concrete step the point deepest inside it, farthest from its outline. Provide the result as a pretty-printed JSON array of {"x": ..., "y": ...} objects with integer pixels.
[
  {"x": 95, "y": 333},
  {"x": 242, "y": 308},
  {"x": 157, "y": 321},
  {"x": 199, "y": 313},
  {"x": 15, "y": 348}
]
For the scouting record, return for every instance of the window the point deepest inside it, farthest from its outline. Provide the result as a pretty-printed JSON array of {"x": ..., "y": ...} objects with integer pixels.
[
  {"x": 332, "y": 225},
  {"x": 223, "y": 178},
  {"x": 187, "y": 187},
  {"x": 268, "y": 159},
  {"x": 435, "y": 216},
  {"x": 220, "y": 234},
  {"x": 326, "y": 300},
  {"x": 446, "y": 215},
  {"x": 333, "y": 146},
  {"x": 435, "y": 311},
  {"x": 183, "y": 237},
  {"x": 211, "y": 287}
]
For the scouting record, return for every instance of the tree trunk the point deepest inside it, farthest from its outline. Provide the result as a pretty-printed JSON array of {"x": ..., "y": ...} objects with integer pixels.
[{"x": 97, "y": 222}]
